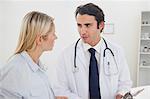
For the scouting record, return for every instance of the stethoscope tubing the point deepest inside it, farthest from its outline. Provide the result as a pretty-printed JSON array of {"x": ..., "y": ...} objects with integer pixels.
[
  {"x": 104, "y": 53},
  {"x": 75, "y": 53}
]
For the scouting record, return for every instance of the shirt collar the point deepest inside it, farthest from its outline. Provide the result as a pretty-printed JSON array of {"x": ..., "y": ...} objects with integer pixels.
[
  {"x": 34, "y": 67},
  {"x": 97, "y": 47}
]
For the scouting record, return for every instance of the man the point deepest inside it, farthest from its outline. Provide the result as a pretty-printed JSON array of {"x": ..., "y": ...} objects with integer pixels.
[{"x": 93, "y": 68}]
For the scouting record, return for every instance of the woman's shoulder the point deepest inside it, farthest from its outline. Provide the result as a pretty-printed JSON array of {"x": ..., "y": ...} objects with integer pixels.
[
  {"x": 14, "y": 74},
  {"x": 14, "y": 62},
  {"x": 13, "y": 68}
]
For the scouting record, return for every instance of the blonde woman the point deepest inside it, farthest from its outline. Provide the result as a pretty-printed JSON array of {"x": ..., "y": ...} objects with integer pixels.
[{"x": 24, "y": 76}]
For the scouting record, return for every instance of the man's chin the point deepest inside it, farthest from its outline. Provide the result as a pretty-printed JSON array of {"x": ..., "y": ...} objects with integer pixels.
[{"x": 84, "y": 41}]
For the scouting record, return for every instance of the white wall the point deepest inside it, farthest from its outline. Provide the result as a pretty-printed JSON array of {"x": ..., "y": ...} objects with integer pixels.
[
  {"x": 0, "y": 33},
  {"x": 124, "y": 14}
]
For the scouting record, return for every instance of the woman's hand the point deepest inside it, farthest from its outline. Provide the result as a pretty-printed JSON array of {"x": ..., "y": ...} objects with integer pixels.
[
  {"x": 119, "y": 96},
  {"x": 61, "y": 97}
]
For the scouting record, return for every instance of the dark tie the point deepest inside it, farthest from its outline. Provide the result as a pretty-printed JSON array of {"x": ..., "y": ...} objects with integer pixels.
[{"x": 94, "y": 88}]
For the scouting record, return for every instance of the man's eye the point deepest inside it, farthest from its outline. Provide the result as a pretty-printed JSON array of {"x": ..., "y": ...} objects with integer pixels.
[
  {"x": 79, "y": 25},
  {"x": 87, "y": 25}
]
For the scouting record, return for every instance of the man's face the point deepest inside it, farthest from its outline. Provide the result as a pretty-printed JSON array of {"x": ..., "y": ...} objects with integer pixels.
[{"x": 87, "y": 27}]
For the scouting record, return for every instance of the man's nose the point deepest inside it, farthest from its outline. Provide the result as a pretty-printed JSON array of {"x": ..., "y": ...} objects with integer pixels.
[{"x": 83, "y": 30}]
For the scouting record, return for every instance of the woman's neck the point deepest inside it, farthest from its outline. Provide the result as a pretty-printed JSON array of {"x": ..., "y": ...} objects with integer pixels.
[{"x": 35, "y": 55}]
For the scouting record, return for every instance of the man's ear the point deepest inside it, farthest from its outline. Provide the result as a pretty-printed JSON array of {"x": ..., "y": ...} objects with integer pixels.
[
  {"x": 39, "y": 40},
  {"x": 101, "y": 26}
]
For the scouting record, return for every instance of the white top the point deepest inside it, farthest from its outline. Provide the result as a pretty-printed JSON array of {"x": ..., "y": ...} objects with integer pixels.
[{"x": 21, "y": 78}]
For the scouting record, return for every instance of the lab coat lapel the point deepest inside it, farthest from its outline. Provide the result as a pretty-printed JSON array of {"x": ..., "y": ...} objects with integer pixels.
[
  {"x": 82, "y": 85},
  {"x": 81, "y": 60}
]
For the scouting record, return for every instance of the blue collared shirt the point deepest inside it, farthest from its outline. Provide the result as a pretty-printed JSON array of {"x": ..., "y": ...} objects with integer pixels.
[{"x": 21, "y": 78}]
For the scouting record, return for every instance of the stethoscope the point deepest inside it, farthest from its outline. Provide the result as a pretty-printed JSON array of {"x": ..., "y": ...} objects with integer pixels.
[{"x": 108, "y": 63}]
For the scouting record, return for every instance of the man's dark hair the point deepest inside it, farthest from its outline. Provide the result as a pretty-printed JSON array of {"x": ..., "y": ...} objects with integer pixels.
[{"x": 91, "y": 9}]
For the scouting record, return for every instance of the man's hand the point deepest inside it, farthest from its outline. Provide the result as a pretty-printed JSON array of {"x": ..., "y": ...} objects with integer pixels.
[
  {"x": 61, "y": 97},
  {"x": 119, "y": 96}
]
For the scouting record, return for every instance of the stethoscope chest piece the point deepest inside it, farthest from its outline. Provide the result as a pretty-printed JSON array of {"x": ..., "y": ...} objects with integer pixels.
[{"x": 75, "y": 69}]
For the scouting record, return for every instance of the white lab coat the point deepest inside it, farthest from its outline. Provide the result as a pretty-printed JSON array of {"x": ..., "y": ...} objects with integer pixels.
[{"x": 75, "y": 85}]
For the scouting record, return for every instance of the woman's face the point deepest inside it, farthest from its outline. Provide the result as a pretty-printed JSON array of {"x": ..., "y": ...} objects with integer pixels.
[{"x": 48, "y": 43}]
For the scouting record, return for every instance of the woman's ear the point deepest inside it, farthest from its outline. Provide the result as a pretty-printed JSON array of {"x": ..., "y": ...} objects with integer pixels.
[{"x": 39, "y": 40}]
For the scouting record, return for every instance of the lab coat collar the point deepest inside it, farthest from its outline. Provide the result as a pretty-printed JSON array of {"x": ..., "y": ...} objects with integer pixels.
[
  {"x": 34, "y": 67},
  {"x": 97, "y": 47}
]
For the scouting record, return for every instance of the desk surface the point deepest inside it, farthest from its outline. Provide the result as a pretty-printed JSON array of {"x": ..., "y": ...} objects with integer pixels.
[{"x": 145, "y": 94}]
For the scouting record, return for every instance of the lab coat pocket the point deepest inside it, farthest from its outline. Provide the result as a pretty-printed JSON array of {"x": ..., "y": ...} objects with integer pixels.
[
  {"x": 36, "y": 93},
  {"x": 110, "y": 66}
]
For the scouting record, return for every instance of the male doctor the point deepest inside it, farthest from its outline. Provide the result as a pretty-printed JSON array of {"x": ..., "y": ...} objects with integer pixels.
[{"x": 99, "y": 69}]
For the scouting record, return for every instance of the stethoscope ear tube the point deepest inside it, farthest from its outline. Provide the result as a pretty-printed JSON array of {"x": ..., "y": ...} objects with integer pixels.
[{"x": 75, "y": 53}]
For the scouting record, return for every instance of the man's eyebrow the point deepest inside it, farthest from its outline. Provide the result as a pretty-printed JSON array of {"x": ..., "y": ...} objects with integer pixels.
[
  {"x": 87, "y": 23},
  {"x": 84, "y": 24}
]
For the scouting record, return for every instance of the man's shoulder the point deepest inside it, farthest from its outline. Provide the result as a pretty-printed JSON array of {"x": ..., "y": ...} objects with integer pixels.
[{"x": 113, "y": 44}]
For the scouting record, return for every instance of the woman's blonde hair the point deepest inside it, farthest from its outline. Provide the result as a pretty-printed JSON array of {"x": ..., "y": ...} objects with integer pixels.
[{"x": 34, "y": 23}]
